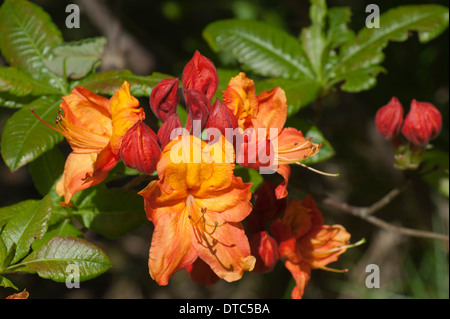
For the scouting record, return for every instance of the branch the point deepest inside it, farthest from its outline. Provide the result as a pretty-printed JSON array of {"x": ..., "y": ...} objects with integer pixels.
[{"x": 365, "y": 213}]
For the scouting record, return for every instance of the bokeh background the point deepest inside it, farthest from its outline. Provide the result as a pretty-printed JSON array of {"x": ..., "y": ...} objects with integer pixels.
[{"x": 161, "y": 36}]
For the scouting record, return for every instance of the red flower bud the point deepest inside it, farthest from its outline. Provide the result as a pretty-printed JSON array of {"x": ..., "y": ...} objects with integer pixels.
[
  {"x": 140, "y": 148},
  {"x": 164, "y": 98},
  {"x": 389, "y": 118},
  {"x": 166, "y": 132},
  {"x": 221, "y": 117},
  {"x": 200, "y": 74},
  {"x": 265, "y": 249},
  {"x": 266, "y": 207},
  {"x": 198, "y": 107},
  {"x": 422, "y": 124},
  {"x": 201, "y": 273}
]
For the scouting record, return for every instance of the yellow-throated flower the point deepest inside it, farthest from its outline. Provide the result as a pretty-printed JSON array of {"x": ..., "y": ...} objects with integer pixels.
[{"x": 197, "y": 206}]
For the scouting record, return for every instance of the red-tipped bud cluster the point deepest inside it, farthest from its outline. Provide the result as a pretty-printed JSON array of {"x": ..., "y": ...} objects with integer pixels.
[
  {"x": 164, "y": 99},
  {"x": 265, "y": 250},
  {"x": 140, "y": 148},
  {"x": 170, "y": 129},
  {"x": 198, "y": 107},
  {"x": 422, "y": 124},
  {"x": 221, "y": 117},
  {"x": 389, "y": 119},
  {"x": 200, "y": 74}
]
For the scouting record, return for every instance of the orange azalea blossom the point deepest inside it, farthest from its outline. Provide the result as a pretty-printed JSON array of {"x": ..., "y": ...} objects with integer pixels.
[
  {"x": 305, "y": 243},
  {"x": 268, "y": 111},
  {"x": 94, "y": 127},
  {"x": 197, "y": 206}
]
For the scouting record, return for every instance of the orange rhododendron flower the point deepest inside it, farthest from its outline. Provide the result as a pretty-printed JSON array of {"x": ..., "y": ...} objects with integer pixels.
[
  {"x": 268, "y": 111},
  {"x": 305, "y": 243},
  {"x": 197, "y": 206},
  {"x": 94, "y": 127}
]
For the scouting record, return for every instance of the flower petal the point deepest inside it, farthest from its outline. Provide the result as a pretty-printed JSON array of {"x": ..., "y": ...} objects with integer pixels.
[
  {"x": 272, "y": 109},
  {"x": 301, "y": 273},
  {"x": 171, "y": 248},
  {"x": 77, "y": 170},
  {"x": 125, "y": 113}
]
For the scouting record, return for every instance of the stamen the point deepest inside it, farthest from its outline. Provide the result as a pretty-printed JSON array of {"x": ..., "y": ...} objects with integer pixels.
[
  {"x": 332, "y": 250},
  {"x": 317, "y": 171}
]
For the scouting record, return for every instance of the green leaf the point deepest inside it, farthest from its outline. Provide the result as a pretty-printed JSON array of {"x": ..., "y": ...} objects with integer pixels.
[
  {"x": 25, "y": 138},
  {"x": 61, "y": 229},
  {"x": 396, "y": 25},
  {"x": 299, "y": 93},
  {"x": 313, "y": 38},
  {"x": 46, "y": 169},
  {"x": 109, "y": 81},
  {"x": 9, "y": 211},
  {"x": 76, "y": 59},
  {"x": 27, "y": 225},
  {"x": 110, "y": 212},
  {"x": 51, "y": 260},
  {"x": 26, "y": 38},
  {"x": 5, "y": 282},
  {"x": 15, "y": 102},
  {"x": 362, "y": 79},
  {"x": 18, "y": 83},
  {"x": 261, "y": 48},
  {"x": 338, "y": 32}
]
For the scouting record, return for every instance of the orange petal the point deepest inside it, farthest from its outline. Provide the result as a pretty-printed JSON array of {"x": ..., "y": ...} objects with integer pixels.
[
  {"x": 125, "y": 113},
  {"x": 303, "y": 216},
  {"x": 293, "y": 147},
  {"x": 227, "y": 250},
  {"x": 171, "y": 248},
  {"x": 240, "y": 97},
  {"x": 85, "y": 121},
  {"x": 233, "y": 202},
  {"x": 281, "y": 190},
  {"x": 326, "y": 245},
  {"x": 272, "y": 109},
  {"x": 77, "y": 170},
  {"x": 201, "y": 273},
  {"x": 301, "y": 273}
]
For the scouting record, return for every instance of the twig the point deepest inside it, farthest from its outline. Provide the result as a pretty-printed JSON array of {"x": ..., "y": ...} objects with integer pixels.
[{"x": 365, "y": 213}]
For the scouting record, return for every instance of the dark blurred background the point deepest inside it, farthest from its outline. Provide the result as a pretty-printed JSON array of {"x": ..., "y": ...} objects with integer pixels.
[{"x": 161, "y": 36}]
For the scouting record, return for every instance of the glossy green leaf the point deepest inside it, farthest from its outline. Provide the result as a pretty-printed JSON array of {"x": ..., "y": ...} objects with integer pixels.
[
  {"x": 109, "y": 81},
  {"x": 9, "y": 211},
  {"x": 61, "y": 229},
  {"x": 395, "y": 25},
  {"x": 18, "y": 83},
  {"x": 313, "y": 38},
  {"x": 110, "y": 212},
  {"x": 51, "y": 259},
  {"x": 27, "y": 225},
  {"x": 25, "y": 138},
  {"x": 76, "y": 59},
  {"x": 27, "y": 34},
  {"x": 46, "y": 170},
  {"x": 259, "y": 47}
]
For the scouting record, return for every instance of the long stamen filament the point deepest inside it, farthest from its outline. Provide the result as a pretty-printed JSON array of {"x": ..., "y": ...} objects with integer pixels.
[
  {"x": 317, "y": 171},
  {"x": 358, "y": 243}
]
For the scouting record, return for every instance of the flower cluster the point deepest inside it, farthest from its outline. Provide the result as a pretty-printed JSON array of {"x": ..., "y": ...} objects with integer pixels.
[
  {"x": 197, "y": 205},
  {"x": 409, "y": 136}
]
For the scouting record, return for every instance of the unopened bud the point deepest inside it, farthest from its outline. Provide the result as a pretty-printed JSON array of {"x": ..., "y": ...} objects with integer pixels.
[
  {"x": 170, "y": 129},
  {"x": 221, "y": 117},
  {"x": 200, "y": 74},
  {"x": 422, "y": 124},
  {"x": 265, "y": 249},
  {"x": 389, "y": 119},
  {"x": 164, "y": 99},
  {"x": 140, "y": 148},
  {"x": 198, "y": 107}
]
